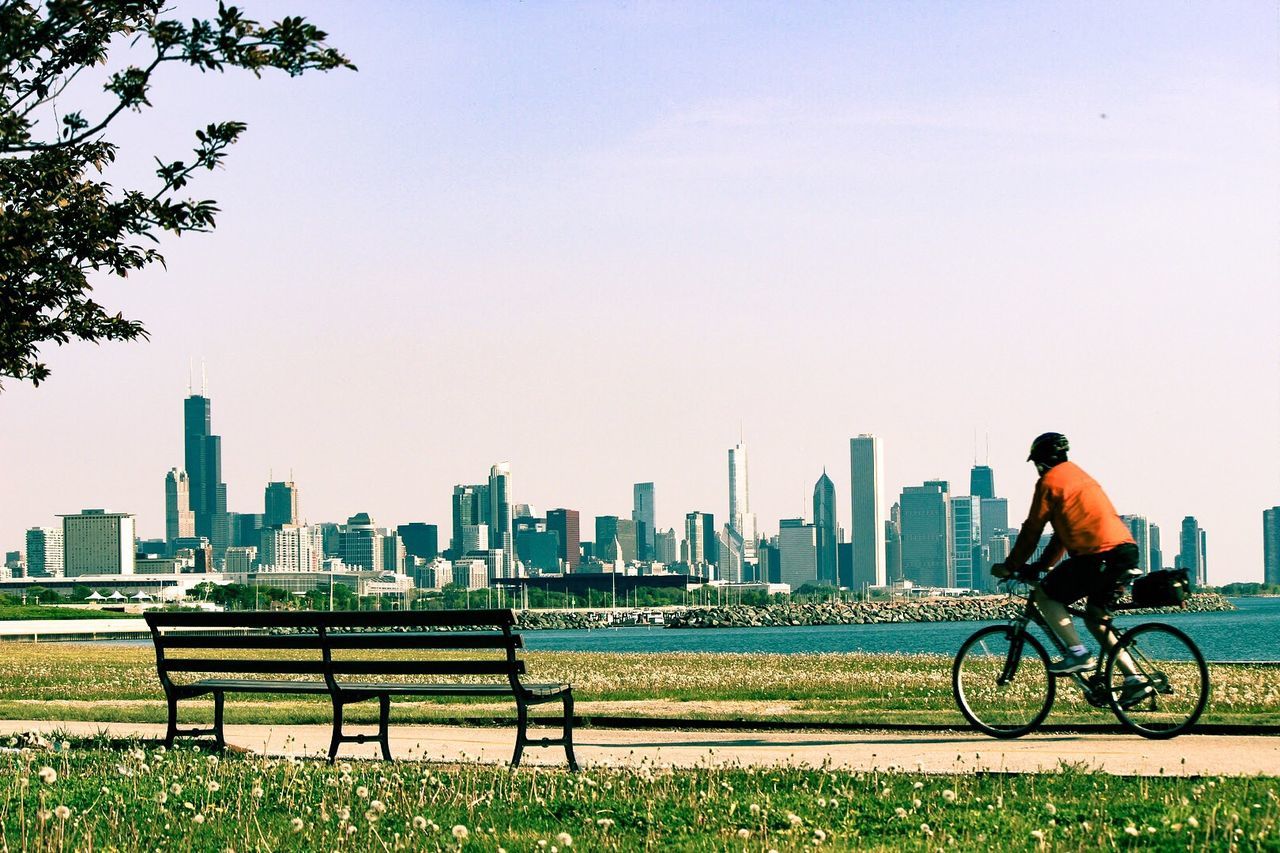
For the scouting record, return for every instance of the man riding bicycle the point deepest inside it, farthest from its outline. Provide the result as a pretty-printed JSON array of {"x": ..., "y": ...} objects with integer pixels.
[{"x": 1101, "y": 558}]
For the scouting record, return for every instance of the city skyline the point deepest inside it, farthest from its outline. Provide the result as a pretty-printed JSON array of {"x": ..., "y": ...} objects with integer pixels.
[{"x": 644, "y": 234}]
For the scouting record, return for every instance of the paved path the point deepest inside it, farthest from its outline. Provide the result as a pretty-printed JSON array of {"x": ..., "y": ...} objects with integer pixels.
[{"x": 940, "y": 752}]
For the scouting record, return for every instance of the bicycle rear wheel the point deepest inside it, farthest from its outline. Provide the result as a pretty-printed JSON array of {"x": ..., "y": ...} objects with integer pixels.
[
  {"x": 1177, "y": 681},
  {"x": 1002, "y": 682}
]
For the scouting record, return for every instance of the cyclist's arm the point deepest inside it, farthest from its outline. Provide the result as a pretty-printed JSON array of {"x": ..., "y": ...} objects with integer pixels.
[{"x": 1053, "y": 552}]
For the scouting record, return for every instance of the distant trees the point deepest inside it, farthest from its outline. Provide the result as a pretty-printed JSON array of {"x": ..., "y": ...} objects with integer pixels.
[{"x": 60, "y": 220}]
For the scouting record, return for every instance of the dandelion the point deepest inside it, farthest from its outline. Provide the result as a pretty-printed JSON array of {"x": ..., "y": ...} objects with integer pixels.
[
  {"x": 744, "y": 833},
  {"x": 345, "y": 768},
  {"x": 755, "y": 808},
  {"x": 44, "y": 814},
  {"x": 213, "y": 760},
  {"x": 1038, "y": 835},
  {"x": 916, "y": 802},
  {"x": 460, "y": 832},
  {"x": 197, "y": 818},
  {"x": 162, "y": 798},
  {"x": 351, "y": 829},
  {"x": 949, "y": 795},
  {"x": 175, "y": 789},
  {"x": 62, "y": 812},
  {"x": 822, "y": 802},
  {"x": 1131, "y": 830},
  {"x": 926, "y": 829},
  {"x": 296, "y": 823},
  {"x": 900, "y": 811},
  {"x": 419, "y": 822},
  {"x": 918, "y": 785},
  {"x": 344, "y": 815},
  {"x": 362, "y": 792},
  {"x": 819, "y": 836},
  {"x": 565, "y": 839},
  {"x": 1051, "y": 808},
  {"x": 371, "y": 816},
  {"x": 605, "y": 823},
  {"x": 1192, "y": 822},
  {"x": 377, "y": 806},
  {"x": 794, "y": 819},
  {"x": 257, "y": 793},
  {"x": 213, "y": 786},
  {"x": 48, "y": 775}
]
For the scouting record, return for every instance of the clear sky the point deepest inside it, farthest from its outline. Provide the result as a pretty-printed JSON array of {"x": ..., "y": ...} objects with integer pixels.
[{"x": 597, "y": 240}]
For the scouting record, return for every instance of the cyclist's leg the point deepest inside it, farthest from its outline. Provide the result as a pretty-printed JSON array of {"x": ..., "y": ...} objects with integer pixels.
[
  {"x": 1118, "y": 567},
  {"x": 1066, "y": 582},
  {"x": 1055, "y": 613},
  {"x": 1098, "y": 621}
]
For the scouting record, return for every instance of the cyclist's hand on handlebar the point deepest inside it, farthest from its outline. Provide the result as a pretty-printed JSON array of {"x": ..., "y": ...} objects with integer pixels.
[{"x": 1003, "y": 570}]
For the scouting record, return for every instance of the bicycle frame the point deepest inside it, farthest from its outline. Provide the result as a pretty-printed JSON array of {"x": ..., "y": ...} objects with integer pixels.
[{"x": 1088, "y": 682}]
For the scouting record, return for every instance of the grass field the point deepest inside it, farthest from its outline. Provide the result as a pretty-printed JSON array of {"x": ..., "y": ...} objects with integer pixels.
[
  {"x": 85, "y": 681},
  {"x": 135, "y": 797}
]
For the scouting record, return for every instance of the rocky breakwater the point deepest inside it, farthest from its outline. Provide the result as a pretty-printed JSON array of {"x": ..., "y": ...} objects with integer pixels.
[
  {"x": 961, "y": 609},
  {"x": 562, "y": 620}
]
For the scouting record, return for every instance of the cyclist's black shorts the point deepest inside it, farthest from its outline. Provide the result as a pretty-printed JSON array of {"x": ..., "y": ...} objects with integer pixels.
[{"x": 1101, "y": 577}]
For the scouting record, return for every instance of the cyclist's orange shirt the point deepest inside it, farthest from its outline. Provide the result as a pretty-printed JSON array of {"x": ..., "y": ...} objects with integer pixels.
[{"x": 1083, "y": 518}]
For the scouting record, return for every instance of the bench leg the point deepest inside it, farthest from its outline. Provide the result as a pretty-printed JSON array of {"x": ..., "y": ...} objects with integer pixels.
[
  {"x": 384, "y": 720},
  {"x": 336, "y": 741},
  {"x": 172, "y": 731},
  {"x": 522, "y": 728},
  {"x": 218, "y": 697},
  {"x": 568, "y": 732}
]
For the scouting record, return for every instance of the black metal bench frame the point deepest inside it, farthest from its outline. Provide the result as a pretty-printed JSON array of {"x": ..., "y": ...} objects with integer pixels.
[{"x": 327, "y": 632}]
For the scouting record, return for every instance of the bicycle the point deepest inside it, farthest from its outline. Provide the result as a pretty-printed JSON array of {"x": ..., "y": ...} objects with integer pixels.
[{"x": 1003, "y": 686}]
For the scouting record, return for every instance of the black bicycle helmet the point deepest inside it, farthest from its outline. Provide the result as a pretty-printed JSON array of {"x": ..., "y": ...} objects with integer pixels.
[{"x": 1049, "y": 447}]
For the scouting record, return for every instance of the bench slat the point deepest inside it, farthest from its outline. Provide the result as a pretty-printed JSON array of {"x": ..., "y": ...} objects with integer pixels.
[
  {"x": 345, "y": 667},
  {"x": 333, "y": 619},
  {"x": 248, "y": 685},
  {"x": 406, "y": 640}
]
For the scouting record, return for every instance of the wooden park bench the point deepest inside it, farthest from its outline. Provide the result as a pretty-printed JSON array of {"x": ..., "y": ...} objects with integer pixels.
[{"x": 324, "y": 653}]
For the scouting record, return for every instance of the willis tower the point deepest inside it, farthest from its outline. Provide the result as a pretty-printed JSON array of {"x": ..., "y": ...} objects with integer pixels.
[{"x": 203, "y": 457}]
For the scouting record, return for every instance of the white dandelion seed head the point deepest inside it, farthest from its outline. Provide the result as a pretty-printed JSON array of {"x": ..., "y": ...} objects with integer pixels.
[
  {"x": 565, "y": 839},
  {"x": 62, "y": 812},
  {"x": 460, "y": 832},
  {"x": 744, "y": 833},
  {"x": 197, "y": 818},
  {"x": 362, "y": 792},
  {"x": 419, "y": 822}
]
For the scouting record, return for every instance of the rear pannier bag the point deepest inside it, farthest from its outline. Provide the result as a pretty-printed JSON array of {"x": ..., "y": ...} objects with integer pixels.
[{"x": 1165, "y": 588}]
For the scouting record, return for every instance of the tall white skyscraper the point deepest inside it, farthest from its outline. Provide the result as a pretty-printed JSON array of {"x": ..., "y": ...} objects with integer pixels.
[
  {"x": 866, "y": 462},
  {"x": 501, "y": 536},
  {"x": 741, "y": 519},
  {"x": 291, "y": 548},
  {"x": 179, "y": 519}
]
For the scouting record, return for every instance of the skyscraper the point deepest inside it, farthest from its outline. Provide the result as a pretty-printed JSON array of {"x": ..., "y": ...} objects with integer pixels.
[
  {"x": 1141, "y": 532},
  {"x": 362, "y": 543},
  {"x": 97, "y": 542},
  {"x": 797, "y": 552},
  {"x": 203, "y": 458},
  {"x": 420, "y": 539},
  {"x": 565, "y": 523},
  {"x": 1157, "y": 555},
  {"x": 470, "y": 507},
  {"x": 281, "y": 504},
  {"x": 44, "y": 552},
  {"x": 1271, "y": 545},
  {"x": 642, "y": 512},
  {"x": 868, "y": 524},
  {"x": 926, "y": 531},
  {"x": 666, "y": 546},
  {"x": 1191, "y": 554},
  {"x": 699, "y": 539},
  {"x": 966, "y": 541},
  {"x": 616, "y": 538},
  {"x": 824, "y": 522},
  {"x": 179, "y": 520},
  {"x": 741, "y": 519},
  {"x": 500, "y": 532},
  {"x": 982, "y": 481}
]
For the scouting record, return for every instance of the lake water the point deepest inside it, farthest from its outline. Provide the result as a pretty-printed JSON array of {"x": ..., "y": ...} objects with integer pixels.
[{"x": 1251, "y": 632}]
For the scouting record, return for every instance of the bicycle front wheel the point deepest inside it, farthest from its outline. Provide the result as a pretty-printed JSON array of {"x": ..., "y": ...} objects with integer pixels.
[
  {"x": 1172, "y": 686},
  {"x": 1001, "y": 681}
]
